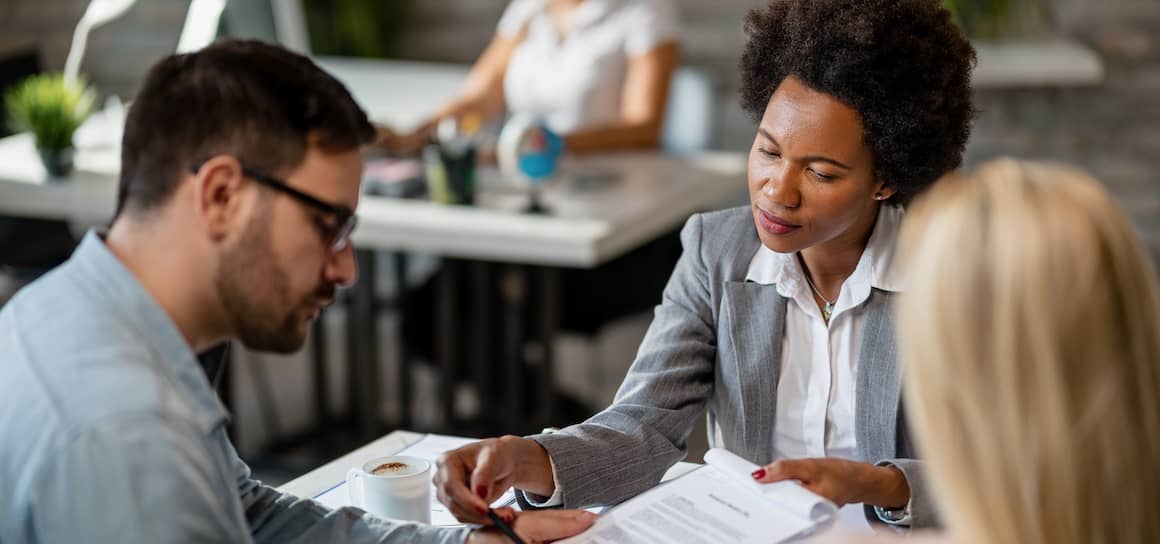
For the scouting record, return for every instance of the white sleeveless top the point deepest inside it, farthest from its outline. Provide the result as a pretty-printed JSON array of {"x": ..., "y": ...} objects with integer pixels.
[{"x": 577, "y": 82}]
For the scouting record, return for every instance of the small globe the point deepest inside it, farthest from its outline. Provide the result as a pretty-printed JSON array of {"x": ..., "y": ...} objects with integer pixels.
[{"x": 528, "y": 151}]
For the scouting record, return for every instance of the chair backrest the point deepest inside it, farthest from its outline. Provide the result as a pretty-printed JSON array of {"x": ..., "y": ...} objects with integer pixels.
[{"x": 688, "y": 124}]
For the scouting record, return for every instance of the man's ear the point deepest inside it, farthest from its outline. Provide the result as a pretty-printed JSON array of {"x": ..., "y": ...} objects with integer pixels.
[{"x": 218, "y": 189}]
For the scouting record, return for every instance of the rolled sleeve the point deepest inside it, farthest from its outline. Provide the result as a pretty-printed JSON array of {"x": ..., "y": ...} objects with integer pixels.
[
  {"x": 539, "y": 501},
  {"x": 652, "y": 23},
  {"x": 920, "y": 510}
]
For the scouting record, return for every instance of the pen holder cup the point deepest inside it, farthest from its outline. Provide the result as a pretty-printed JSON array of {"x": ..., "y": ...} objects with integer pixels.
[{"x": 450, "y": 175}]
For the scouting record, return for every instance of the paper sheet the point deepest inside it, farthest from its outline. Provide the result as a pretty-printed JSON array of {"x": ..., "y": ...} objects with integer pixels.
[{"x": 708, "y": 506}]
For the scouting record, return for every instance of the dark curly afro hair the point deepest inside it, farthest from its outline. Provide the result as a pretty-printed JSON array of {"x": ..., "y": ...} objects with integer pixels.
[{"x": 903, "y": 65}]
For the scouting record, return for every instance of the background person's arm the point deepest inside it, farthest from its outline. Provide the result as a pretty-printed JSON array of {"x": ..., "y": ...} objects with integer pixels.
[
  {"x": 482, "y": 95},
  {"x": 642, "y": 108}
]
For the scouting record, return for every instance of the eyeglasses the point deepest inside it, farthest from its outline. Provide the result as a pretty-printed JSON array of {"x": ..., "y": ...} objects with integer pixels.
[{"x": 336, "y": 234}]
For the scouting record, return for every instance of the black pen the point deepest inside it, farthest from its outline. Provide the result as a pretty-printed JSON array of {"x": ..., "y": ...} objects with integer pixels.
[{"x": 507, "y": 529}]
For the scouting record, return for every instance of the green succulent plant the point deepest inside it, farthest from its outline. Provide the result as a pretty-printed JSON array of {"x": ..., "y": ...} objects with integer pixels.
[{"x": 50, "y": 108}]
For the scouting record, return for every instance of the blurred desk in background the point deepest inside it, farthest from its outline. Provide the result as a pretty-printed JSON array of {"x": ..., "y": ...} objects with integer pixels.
[{"x": 603, "y": 206}]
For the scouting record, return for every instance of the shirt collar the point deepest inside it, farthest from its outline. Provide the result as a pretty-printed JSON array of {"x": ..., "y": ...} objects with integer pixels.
[
  {"x": 876, "y": 268},
  {"x": 591, "y": 11},
  {"x": 885, "y": 270},
  {"x": 588, "y": 13},
  {"x": 129, "y": 302}
]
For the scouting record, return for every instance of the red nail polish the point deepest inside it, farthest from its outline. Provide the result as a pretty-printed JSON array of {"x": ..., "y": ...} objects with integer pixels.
[
  {"x": 759, "y": 474},
  {"x": 509, "y": 518},
  {"x": 482, "y": 511},
  {"x": 481, "y": 490}
]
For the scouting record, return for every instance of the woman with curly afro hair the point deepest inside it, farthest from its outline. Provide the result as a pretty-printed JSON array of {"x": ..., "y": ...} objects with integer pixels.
[{"x": 777, "y": 320}]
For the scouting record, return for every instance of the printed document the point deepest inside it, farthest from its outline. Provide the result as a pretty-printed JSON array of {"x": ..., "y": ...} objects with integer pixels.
[{"x": 719, "y": 502}]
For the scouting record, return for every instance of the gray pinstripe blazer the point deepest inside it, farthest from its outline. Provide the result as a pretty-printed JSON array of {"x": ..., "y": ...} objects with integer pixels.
[{"x": 714, "y": 345}]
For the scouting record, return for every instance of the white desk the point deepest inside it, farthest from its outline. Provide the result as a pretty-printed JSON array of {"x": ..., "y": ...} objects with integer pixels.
[
  {"x": 317, "y": 481},
  {"x": 326, "y": 484},
  {"x": 627, "y": 200},
  {"x": 636, "y": 197},
  {"x": 649, "y": 194},
  {"x": 323, "y": 481}
]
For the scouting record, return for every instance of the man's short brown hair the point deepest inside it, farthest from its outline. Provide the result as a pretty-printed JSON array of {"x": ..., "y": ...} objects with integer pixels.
[{"x": 256, "y": 101}]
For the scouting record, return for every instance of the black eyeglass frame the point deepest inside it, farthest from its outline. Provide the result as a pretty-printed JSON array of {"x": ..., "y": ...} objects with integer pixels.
[{"x": 345, "y": 217}]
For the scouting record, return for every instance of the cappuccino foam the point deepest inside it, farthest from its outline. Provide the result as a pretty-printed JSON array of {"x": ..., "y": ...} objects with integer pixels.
[{"x": 392, "y": 467}]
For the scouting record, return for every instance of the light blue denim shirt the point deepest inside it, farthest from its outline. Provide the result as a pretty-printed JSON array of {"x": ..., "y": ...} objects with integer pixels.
[{"x": 110, "y": 431}]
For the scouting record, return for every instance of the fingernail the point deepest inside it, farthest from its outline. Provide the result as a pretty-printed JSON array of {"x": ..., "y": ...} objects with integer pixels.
[
  {"x": 481, "y": 490},
  {"x": 508, "y": 517},
  {"x": 482, "y": 511},
  {"x": 759, "y": 474}
]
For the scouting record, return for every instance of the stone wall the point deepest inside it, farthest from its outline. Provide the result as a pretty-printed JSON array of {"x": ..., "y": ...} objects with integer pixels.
[{"x": 1111, "y": 129}]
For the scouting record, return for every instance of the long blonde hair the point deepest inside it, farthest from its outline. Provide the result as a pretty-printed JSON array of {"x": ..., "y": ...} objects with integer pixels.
[{"x": 1030, "y": 337}]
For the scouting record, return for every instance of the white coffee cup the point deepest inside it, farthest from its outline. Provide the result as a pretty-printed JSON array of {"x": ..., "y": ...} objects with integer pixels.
[{"x": 401, "y": 490}]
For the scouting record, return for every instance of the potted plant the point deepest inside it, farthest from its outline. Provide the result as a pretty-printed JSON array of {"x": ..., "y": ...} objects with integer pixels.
[{"x": 51, "y": 108}]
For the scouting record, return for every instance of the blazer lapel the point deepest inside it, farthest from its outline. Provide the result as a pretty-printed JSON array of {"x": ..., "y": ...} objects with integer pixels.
[
  {"x": 879, "y": 386},
  {"x": 752, "y": 322}
]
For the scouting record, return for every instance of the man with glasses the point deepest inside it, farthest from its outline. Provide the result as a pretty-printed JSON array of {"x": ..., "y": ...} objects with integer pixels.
[{"x": 241, "y": 166}]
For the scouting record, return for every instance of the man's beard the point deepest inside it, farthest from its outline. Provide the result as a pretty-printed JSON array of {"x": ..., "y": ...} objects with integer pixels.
[{"x": 255, "y": 293}]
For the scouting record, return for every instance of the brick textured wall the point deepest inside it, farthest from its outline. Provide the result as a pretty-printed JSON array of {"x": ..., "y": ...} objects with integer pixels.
[{"x": 1112, "y": 129}]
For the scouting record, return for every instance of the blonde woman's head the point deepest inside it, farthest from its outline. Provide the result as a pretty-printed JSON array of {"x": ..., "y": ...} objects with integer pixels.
[{"x": 1031, "y": 346}]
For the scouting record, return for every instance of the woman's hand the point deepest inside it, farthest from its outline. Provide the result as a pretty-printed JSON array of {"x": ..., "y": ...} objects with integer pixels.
[
  {"x": 468, "y": 479},
  {"x": 842, "y": 481},
  {"x": 537, "y": 527}
]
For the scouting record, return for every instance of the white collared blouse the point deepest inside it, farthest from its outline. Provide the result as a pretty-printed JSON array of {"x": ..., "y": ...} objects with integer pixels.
[
  {"x": 577, "y": 81},
  {"x": 819, "y": 363}
]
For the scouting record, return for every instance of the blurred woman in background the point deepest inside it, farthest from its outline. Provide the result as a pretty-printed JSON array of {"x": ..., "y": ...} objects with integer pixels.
[
  {"x": 1032, "y": 359},
  {"x": 595, "y": 71}
]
